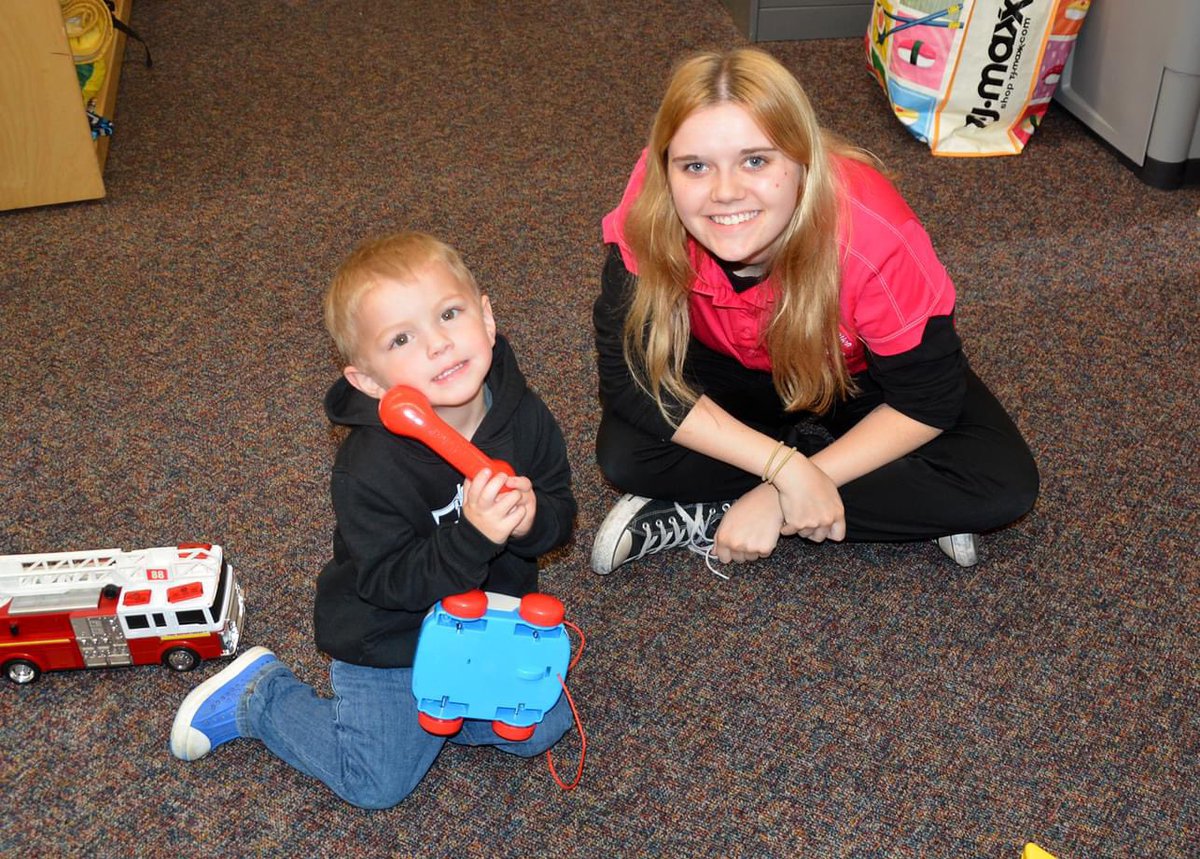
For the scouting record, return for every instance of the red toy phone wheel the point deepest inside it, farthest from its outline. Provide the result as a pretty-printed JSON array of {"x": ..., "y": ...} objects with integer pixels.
[
  {"x": 542, "y": 610},
  {"x": 513, "y": 733},
  {"x": 439, "y": 727},
  {"x": 466, "y": 606}
]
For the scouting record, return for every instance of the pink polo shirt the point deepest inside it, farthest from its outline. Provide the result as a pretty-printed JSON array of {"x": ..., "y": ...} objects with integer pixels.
[{"x": 892, "y": 281}]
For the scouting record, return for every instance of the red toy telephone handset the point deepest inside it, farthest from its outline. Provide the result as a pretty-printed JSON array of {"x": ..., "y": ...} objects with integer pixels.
[{"x": 406, "y": 411}]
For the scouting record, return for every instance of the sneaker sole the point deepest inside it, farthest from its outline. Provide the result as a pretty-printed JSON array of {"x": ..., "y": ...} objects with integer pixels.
[
  {"x": 187, "y": 743},
  {"x": 960, "y": 548},
  {"x": 605, "y": 547}
]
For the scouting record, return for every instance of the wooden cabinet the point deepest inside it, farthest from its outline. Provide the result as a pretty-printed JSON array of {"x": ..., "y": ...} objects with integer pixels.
[{"x": 47, "y": 154}]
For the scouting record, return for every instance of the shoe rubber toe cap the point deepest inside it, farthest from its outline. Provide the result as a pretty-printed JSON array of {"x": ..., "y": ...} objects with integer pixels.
[{"x": 188, "y": 744}]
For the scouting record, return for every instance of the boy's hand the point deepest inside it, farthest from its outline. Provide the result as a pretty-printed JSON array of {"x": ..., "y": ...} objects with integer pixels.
[
  {"x": 524, "y": 486},
  {"x": 486, "y": 505}
]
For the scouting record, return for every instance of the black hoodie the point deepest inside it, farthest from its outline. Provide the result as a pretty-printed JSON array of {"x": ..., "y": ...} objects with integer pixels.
[{"x": 400, "y": 544}]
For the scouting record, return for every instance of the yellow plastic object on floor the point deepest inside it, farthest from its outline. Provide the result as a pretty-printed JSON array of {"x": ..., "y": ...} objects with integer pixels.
[{"x": 1032, "y": 851}]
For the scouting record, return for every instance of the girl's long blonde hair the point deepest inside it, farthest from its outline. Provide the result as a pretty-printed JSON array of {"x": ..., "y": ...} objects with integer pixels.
[{"x": 804, "y": 273}]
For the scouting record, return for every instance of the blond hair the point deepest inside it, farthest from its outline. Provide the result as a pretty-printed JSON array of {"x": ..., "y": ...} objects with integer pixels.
[
  {"x": 804, "y": 273},
  {"x": 399, "y": 256}
]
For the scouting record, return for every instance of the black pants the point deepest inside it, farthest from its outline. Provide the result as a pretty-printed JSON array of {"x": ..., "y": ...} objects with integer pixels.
[{"x": 977, "y": 476}]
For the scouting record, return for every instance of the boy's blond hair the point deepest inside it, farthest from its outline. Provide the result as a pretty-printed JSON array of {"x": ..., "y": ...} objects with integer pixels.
[{"x": 399, "y": 256}]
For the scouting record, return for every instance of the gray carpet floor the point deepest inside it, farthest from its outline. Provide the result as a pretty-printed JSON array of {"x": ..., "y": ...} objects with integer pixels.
[{"x": 164, "y": 363}]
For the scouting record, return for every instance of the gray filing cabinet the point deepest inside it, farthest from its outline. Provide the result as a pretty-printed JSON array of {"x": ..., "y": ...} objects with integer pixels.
[
  {"x": 775, "y": 20},
  {"x": 1134, "y": 79}
]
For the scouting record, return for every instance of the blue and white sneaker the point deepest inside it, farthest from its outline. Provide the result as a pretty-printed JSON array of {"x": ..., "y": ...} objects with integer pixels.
[{"x": 207, "y": 718}]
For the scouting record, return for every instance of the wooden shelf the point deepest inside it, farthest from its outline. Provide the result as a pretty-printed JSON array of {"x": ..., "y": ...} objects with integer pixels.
[{"x": 47, "y": 154}]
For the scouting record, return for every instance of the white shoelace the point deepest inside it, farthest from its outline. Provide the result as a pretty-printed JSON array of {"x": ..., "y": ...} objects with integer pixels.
[{"x": 684, "y": 529}]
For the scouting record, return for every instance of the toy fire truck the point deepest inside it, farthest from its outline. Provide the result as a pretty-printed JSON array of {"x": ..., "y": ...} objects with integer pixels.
[{"x": 176, "y": 605}]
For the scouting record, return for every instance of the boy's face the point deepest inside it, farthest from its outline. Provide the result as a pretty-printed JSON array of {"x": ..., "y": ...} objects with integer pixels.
[{"x": 433, "y": 333}]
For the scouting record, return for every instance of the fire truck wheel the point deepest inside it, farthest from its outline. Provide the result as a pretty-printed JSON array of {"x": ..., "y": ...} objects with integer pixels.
[
  {"x": 181, "y": 659},
  {"x": 21, "y": 671}
]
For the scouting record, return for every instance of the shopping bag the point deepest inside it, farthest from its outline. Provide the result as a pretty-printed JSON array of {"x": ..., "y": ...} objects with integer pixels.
[{"x": 976, "y": 77}]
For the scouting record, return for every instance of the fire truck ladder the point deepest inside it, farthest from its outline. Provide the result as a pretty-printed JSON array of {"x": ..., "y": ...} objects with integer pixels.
[{"x": 59, "y": 572}]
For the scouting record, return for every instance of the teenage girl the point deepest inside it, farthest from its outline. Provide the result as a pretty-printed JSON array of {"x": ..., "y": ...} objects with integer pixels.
[{"x": 776, "y": 344}]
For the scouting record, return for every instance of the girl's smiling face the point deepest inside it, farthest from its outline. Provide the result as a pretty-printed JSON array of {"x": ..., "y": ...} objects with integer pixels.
[{"x": 733, "y": 190}]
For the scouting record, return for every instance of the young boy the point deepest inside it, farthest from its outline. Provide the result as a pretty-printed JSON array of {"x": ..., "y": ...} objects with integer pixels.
[{"x": 402, "y": 309}]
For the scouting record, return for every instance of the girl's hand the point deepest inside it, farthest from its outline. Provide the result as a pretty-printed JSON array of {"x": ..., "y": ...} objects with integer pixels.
[
  {"x": 496, "y": 513},
  {"x": 524, "y": 486},
  {"x": 750, "y": 527},
  {"x": 810, "y": 502}
]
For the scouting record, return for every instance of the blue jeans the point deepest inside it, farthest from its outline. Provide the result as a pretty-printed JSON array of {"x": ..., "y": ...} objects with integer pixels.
[{"x": 365, "y": 742}]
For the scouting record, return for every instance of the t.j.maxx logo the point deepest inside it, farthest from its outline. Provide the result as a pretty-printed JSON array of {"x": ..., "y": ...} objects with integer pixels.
[{"x": 1008, "y": 40}]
